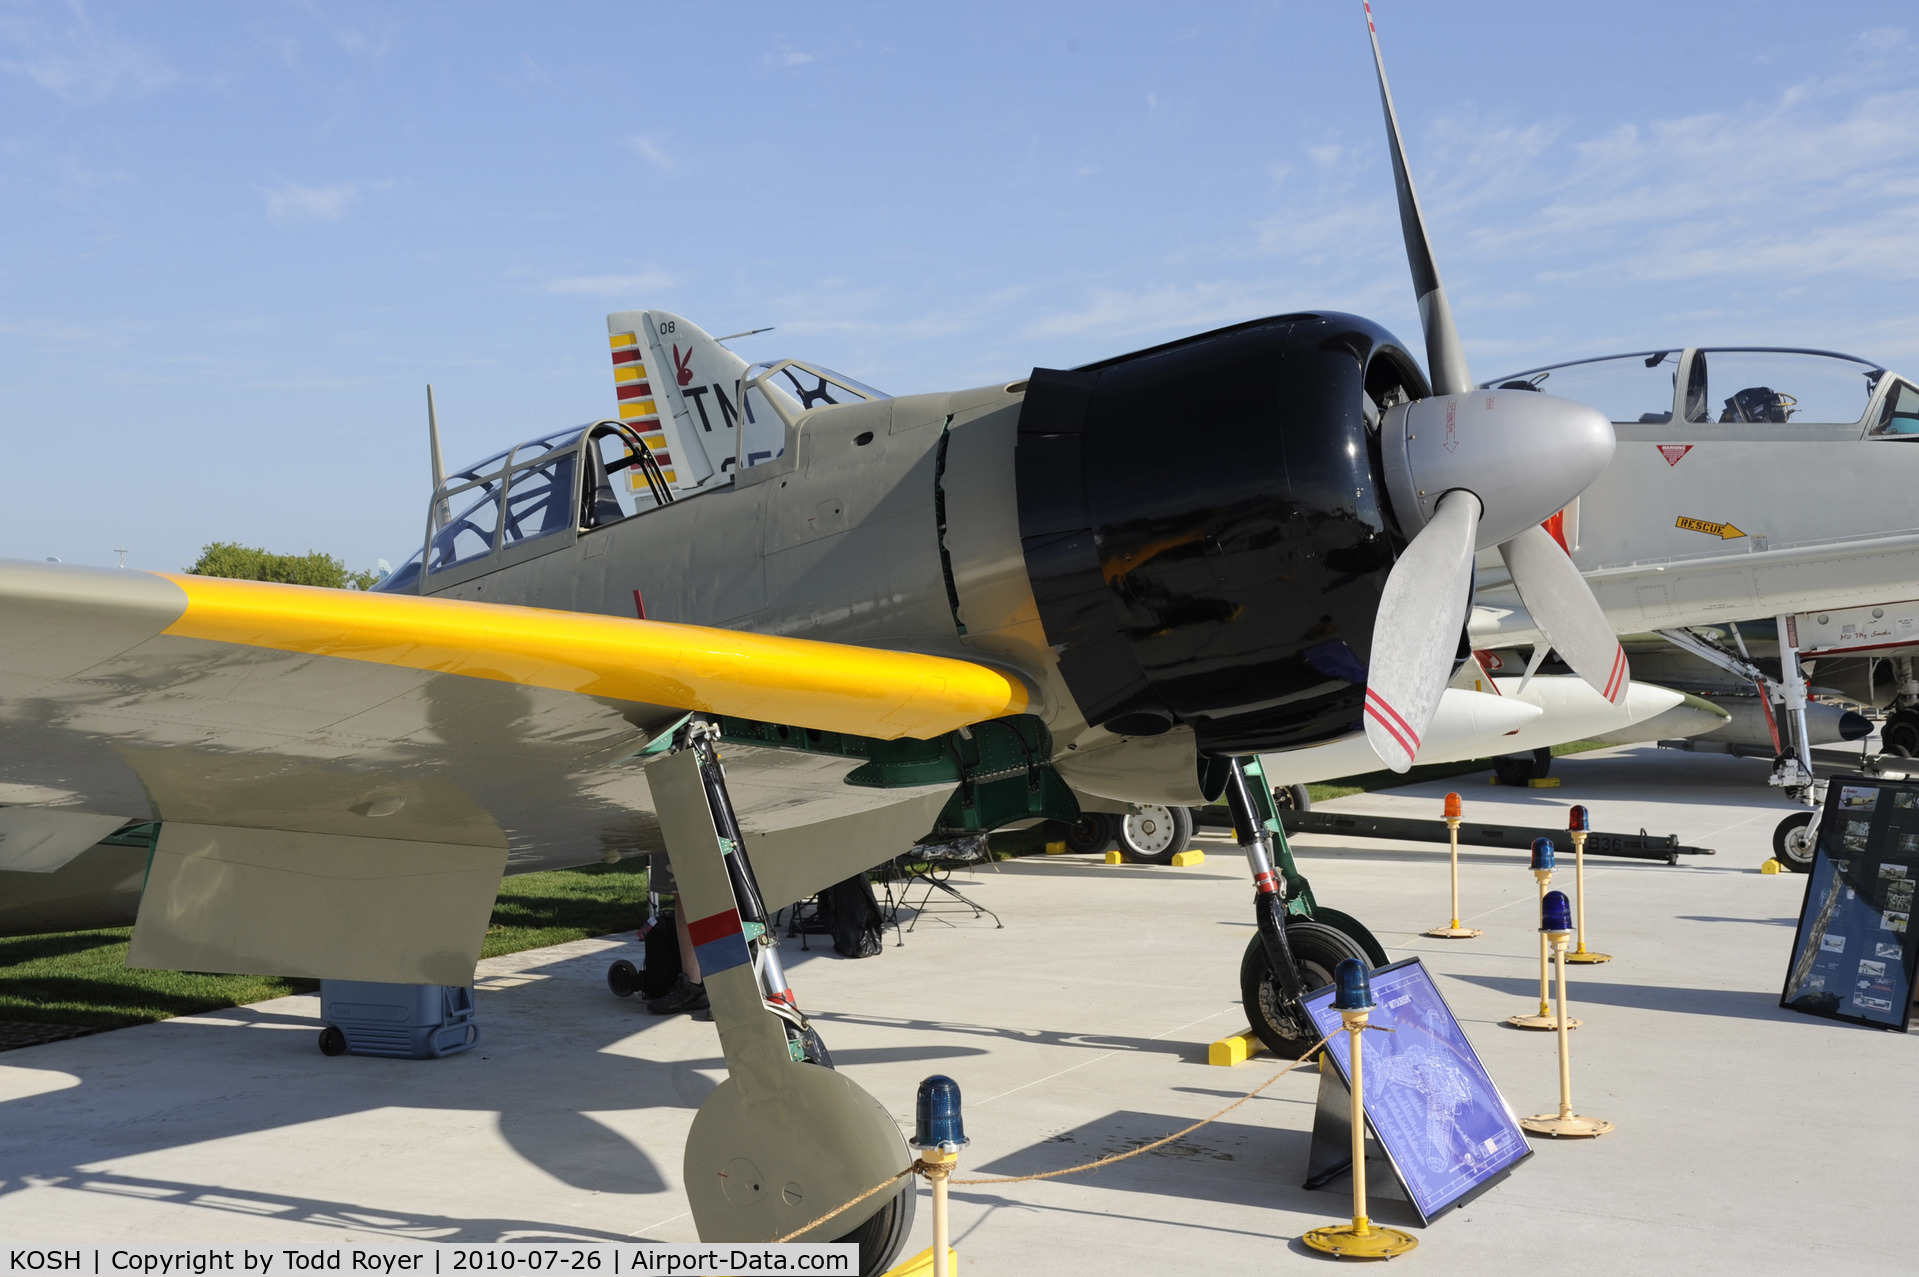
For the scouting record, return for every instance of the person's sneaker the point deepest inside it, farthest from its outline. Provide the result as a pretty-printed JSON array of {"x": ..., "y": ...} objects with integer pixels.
[{"x": 683, "y": 996}]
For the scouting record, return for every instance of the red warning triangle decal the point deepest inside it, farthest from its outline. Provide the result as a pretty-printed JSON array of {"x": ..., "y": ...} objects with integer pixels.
[{"x": 1673, "y": 451}]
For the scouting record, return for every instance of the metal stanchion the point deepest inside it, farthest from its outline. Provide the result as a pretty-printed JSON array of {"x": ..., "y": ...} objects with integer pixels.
[
  {"x": 1542, "y": 863},
  {"x": 1555, "y": 925},
  {"x": 1455, "y": 931},
  {"x": 1359, "y": 1239},
  {"x": 1578, "y": 824},
  {"x": 938, "y": 1134}
]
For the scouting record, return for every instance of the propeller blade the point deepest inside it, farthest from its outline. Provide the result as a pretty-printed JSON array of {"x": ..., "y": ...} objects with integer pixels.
[
  {"x": 1416, "y": 631},
  {"x": 1563, "y": 607},
  {"x": 1445, "y": 357}
]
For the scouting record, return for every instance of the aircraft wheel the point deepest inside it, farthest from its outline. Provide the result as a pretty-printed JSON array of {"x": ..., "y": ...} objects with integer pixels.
[
  {"x": 1518, "y": 769},
  {"x": 1153, "y": 835},
  {"x": 1900, "y": 734},
  {"x": 332, "y": 1041},
  {"x": 1318, "y": 949},
  {"x": 1292, "y": 798},
  {"x": 623, "y": 978},
  {"x": 765, "y": 1159},
  {"x": 1792, "y": 842},
  {"x": 882, "y": 1237},
  {"x": 1092, "y": 832}
]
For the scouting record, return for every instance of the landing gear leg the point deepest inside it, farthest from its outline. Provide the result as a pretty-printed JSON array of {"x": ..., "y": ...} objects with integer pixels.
[
  {"x": 782, "y": 1140},
  {"x": 1797, "y": 779}
]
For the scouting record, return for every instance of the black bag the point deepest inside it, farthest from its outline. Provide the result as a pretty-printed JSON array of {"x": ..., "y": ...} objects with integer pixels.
[
  {"x": 662, "y": 966},
  {"x": 852, "y": 915}
]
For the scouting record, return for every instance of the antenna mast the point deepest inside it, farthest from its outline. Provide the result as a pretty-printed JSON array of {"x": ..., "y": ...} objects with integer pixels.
[{"x": 439, "y": 467}]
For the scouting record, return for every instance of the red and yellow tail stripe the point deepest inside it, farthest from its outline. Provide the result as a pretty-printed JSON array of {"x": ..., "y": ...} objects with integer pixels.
[{"x": 637, "y": 406}]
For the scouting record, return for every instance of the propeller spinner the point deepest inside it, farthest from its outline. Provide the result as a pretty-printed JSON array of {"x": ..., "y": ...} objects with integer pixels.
[{"x": 1468, "y": 469}]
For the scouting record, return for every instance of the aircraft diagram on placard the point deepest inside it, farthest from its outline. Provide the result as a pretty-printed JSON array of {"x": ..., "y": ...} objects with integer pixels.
[{"x": 900, "y": 619}]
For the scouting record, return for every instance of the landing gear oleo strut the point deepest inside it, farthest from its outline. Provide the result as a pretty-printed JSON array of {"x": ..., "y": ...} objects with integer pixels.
[
  {"x": 784, "y": 1138},
  {"x": 1300, "y": 943}
]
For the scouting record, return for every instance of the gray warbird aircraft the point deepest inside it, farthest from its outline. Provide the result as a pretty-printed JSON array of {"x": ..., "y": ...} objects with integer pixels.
[{"x": 900, "y": 618}]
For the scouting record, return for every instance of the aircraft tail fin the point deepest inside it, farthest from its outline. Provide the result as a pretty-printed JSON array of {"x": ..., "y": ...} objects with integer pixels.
[{"x": 678, "y": 388}]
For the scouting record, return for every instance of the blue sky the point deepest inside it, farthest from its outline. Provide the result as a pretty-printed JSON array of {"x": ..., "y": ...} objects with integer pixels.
[{"x": 240, "y": 238}]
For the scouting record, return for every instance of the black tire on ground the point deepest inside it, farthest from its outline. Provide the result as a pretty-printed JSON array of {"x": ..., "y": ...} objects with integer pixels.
[
  {"x": 1152, "y": 835},
  {"x": 623, "y": 978},
  {"x": 1292, "y": 798},
  {"x": 882, "y": 1237},
  {"x": 332, "y": 1041},
  {"x": 1356, "y": 931},
  {"x": 1900, "y": 734},
  {"x": 1517, "y": 769},
  {"x": 1092, "y": 832},
  {"x": 1318, "y": 949},
  {"x": 1792, "y": 842}
]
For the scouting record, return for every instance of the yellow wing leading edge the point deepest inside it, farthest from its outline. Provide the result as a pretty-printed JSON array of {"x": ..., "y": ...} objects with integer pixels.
[{"x": 830, "y": 686}]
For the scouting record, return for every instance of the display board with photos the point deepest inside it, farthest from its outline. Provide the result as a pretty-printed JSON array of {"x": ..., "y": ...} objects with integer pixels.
[
  {"x": 1853, "y": 955},
  {"x": 1444, "y": 1127}
]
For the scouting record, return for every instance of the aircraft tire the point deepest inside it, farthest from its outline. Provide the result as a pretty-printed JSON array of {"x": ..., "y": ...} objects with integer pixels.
[
  {"x": 332, "y": 1041},
  {"x": 1518, "y": 769},
  {"x": 884, "y": 1234},
  {"x": 623, "y": 978},
  {"x": 1092, "y": 832},
  {"x": 1900, "y": 734},
  {"x": 1153, "y": 834},
  {"x": 1292, "y": 798},
  {"x": 1792, "y": 842},
  {"x": 1318, "y": 949}
]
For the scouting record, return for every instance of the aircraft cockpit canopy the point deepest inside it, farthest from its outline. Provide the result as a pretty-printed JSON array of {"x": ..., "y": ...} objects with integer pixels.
[
  {"x": 1728, "y": 385},
  {"x": 513, "y": 504}
]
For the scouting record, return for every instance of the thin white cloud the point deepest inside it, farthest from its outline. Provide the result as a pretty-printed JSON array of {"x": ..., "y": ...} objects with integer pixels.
[
  {"x": 652, "y": 152},
  {"x": 610, "y": 285},
  {"x": 84, "y": 63},
  {"x": 788, "y": 58},
  {"x": 292, "y": 202}
]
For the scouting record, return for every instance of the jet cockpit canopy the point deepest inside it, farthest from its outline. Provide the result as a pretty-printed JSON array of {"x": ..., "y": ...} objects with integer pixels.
[{"x": 1733, "y": 385}]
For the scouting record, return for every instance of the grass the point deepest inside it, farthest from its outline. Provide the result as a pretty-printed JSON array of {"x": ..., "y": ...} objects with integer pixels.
[{"x": 81, "y": 977}]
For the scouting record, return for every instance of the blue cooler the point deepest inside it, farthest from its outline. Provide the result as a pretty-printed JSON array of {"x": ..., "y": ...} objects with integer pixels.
[{"x": 405, "y": 1021}]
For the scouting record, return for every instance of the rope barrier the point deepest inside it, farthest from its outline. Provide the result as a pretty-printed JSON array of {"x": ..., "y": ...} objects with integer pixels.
[{"x": 919, "y": 1167}]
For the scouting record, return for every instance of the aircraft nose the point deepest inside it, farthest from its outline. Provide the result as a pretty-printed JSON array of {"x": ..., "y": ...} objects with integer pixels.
[{"x": 1524, "y": 454}]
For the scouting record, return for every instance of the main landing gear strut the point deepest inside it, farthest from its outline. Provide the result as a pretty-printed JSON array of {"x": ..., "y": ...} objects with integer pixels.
[
  {"x": 784, "y": 1138},
  {"x": 1300, "y": 943}
]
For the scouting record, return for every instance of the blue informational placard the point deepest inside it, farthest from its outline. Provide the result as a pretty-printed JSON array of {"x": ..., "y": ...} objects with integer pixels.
[{"x": 1440, "y": 1120}]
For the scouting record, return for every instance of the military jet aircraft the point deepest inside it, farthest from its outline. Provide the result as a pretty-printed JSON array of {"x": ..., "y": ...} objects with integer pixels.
[
  {"x": 1704, "y": 519},
  {"x": 898, "y": 618}
]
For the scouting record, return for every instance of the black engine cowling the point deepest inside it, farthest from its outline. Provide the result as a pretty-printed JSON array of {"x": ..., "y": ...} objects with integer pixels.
[{"x": 1207, "y": 532}]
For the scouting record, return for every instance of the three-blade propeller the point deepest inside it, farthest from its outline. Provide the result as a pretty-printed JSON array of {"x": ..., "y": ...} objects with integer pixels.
[{"x": 1466, "y": 470}]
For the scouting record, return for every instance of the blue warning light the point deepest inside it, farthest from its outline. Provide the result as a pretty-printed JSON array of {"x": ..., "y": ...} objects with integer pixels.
[
  {"x": 937, "y": 1117},
  {"x": 1355, "y": 991},
  {"x": 1555, "y": 914},
  {"x": 1542, "y": 853}
]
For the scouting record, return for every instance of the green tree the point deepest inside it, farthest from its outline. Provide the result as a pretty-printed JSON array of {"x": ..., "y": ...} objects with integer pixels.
[{"x": 250, "y": 563}]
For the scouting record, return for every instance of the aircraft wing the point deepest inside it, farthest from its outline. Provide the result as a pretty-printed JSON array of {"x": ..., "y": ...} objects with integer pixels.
[{"x": 342, "y": 777}]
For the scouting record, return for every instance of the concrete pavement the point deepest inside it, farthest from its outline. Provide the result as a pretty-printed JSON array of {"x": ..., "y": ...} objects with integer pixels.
[{"x": 1745, "y": 1132}]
